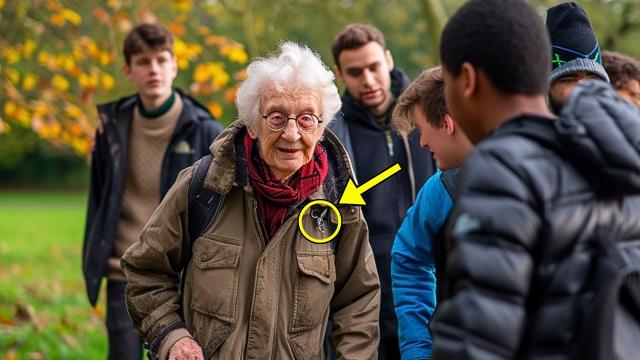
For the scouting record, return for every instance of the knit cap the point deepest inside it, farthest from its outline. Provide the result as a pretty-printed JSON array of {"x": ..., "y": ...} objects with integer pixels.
[{"x": 574, "y": 46}]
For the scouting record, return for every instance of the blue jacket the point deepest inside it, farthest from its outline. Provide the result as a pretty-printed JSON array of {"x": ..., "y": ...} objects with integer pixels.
[{"x": 413, "y": 268}]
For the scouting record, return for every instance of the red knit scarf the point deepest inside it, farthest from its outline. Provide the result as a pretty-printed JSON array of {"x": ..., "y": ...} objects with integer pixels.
[{"x": 273, "y": 196}]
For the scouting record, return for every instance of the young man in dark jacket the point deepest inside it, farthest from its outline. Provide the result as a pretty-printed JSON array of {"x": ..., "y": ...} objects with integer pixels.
[
  {"x": 141, "y": 144},
  {"x": 365, "y": 66},
  {"x": 536, "y": 192}
]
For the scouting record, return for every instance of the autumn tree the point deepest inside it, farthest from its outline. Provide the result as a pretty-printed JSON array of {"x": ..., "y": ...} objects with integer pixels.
[{"x": 60, "y": 57}]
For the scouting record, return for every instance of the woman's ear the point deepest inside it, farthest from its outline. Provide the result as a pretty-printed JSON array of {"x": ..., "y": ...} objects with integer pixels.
[
  {"x": 252, "y": 133},
  {"x": 449, "y": 125}
]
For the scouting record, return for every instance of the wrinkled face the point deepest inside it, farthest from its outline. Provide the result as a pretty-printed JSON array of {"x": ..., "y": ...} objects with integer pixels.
[
  {"x": 152, "y": 72},
  {"x": 437, "y": 140},
  {"x": 631, "y": 92},
  {"x": 366, "y": 73},
  {"x": 562, "y": 87},
  {"x": 286, "y": 151}
]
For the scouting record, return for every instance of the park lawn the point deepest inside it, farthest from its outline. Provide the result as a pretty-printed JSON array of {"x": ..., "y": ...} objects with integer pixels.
[{"x": 44, "y": 312}]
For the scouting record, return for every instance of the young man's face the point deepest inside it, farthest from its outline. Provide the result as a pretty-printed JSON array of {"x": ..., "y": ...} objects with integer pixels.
[
  {"x": 152, "y": 72},
  {"x": 366, "y": 72},
  {"x": 447, "y": 149},
  {"x": 562, "y": 87}
]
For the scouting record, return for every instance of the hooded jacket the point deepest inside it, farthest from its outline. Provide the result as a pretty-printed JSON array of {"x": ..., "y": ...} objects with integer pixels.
[
  {"x": 533, "y": 196},
  {"x": 245, "y": 297},
  {"x": 372, "y": 149},
  {"x": 191, "y": 138}
]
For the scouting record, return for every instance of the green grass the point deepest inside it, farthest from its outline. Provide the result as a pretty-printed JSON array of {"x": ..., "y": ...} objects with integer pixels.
[{"x": 44, "y": 312}]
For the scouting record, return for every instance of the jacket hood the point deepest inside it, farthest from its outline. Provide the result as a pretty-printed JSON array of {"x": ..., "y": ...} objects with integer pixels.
[
  {"x": 228, "y": 167},
  {"x": 601, "y": 134},
  {"x": 355, "y": 111}
]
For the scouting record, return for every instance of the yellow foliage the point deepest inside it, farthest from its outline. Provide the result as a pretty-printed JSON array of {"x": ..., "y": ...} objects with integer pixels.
[
  {"x": 65, "y": 62},
  {"x": 47, "y": 59},
  {"x": 40, "y": 109},
  {"x": 57, "y": 20},
  {"x": 13, "y": 75},
  {"x": 10, "y": 109},
  {"x": 1, "y": 6},
  {"x": 183, "y": 5},
  {"x": 71, "y": 16},
  {"x": 60, "y": 83},
  {"x": 88, "y": 81},
  {"x": 215, "y": 109},
  {"x": 105, "y": 58},
  {"x": 22, "y": 116},
  {"x": 201, "y": 73},
  {"x": 11, "y": 55},
  {"x": 29, "y": 81},
  {"x": 73, "y": 111},
  {"x": 28, "y": 48},
  {"x": 107, "y": 81},
  {"x": 4, "y": 127},
  {"x": 237, "y": 54}
]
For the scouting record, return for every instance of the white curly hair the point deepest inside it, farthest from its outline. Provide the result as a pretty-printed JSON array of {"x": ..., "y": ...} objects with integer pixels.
[{"x": 292, "y": 66}]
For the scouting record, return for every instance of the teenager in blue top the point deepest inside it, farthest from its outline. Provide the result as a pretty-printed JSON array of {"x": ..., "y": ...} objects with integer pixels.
[{"x": 422, "y": 106}]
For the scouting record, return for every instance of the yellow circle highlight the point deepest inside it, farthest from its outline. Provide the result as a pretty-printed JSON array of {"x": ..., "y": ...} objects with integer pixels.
[{"x": 311, "y": 238}]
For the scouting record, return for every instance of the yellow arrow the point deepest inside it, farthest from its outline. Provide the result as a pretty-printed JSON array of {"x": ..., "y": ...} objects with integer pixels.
[{"x": 352, "y": 194}]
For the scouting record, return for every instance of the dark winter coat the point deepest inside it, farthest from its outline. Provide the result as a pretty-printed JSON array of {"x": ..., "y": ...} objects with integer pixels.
[{"x": 520, "y": 246}]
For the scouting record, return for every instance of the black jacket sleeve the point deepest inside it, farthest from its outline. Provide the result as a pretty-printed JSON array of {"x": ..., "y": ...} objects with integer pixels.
[
  {"x": 490, "y": 262},
  {"x": 96, "y": 185}
]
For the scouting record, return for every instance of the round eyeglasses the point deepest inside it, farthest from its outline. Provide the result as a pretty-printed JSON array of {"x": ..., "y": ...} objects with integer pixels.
[{"x": 306, "y": 122}]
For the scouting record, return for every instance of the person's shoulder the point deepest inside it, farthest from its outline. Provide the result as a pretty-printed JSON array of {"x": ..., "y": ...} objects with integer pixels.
[{"x": 111, "y": 111}]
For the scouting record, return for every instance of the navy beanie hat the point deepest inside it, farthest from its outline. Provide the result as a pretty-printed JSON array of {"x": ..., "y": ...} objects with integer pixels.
[{"x": 574, "y": 46}]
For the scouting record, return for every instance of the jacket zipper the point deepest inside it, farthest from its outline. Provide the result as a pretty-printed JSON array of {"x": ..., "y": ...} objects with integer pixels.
[
  {"x": 259, "y": 226},
  {"x": 387, "y": 135}
]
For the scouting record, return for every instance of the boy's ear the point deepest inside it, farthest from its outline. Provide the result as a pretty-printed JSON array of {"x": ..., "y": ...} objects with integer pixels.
[
  {"x": 127, "y": 71},
  {"x": 449, "y": 125},
  {"x": 470, "y": 79},
  {"x": 338, "y": 73}
]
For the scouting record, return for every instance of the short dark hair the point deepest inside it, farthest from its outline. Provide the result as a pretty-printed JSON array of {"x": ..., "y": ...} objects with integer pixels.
[
  {"x": 426, "y": 91},
  {"x": 506, "y": 39},
  {"x": 620, "y": 68},
  {"x": 147, "y": 36},
  {"x": 354, "y": 36}
]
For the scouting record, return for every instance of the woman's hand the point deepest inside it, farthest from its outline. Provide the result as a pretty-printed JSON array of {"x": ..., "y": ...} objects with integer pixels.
[{"x": 186, "y": 349}]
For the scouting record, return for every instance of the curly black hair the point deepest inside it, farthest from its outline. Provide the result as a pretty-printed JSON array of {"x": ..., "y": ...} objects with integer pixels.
[
  {"x": 505, "y": 39},
  {"x": 620, "y": 68}
]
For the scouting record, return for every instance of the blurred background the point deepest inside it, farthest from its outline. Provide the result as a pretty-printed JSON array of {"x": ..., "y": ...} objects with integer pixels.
[{"x": 58, "y": 59}]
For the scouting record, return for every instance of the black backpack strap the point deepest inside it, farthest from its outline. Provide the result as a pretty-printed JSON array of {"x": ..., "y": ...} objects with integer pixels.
[{"x": 204, "y": 204}]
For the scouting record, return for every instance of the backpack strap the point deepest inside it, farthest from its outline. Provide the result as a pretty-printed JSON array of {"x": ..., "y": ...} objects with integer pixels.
[{"x": 204, "y": 204}]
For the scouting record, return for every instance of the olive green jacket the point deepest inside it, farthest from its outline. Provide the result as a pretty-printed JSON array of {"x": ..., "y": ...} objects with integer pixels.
[{"x": 248, "y": 298}]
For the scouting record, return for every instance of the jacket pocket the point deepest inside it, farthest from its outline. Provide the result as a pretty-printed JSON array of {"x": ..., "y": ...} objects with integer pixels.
[
  {"x": 313, "y": 288},
  {"x": 214, "y": 289}
]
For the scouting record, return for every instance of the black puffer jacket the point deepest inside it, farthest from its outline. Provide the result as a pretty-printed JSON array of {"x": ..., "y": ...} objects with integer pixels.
[{"x": 521, "y": 239}]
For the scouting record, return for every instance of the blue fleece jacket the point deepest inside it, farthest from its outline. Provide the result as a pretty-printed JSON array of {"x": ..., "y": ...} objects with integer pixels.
[{"x": 413, "y": 268}]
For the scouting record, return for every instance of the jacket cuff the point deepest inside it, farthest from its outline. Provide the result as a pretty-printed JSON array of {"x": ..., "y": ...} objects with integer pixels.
[{"x": 170, "y": 340}]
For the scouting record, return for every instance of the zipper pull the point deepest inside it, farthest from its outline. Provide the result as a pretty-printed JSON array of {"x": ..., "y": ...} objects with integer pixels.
[{"x": 387, "y": 135}]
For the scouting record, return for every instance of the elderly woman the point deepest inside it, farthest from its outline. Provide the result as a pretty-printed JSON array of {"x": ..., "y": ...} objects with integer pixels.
[{"x": 255, "y": 286}]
